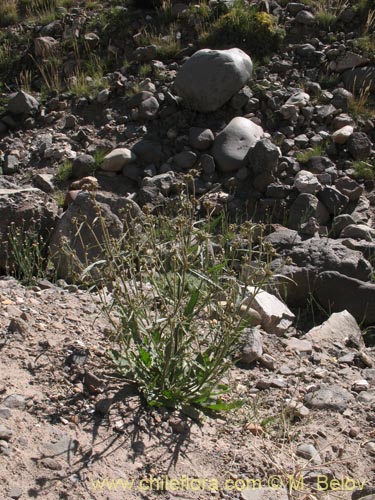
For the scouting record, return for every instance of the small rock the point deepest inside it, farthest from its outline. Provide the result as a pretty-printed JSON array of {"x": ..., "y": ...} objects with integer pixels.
[
  {"x": 200, "y": 138},
  {"x": 116, "y": 160},
  {"x": 309, "y": 452},
  {"x": 342, "y": 135},
  {"x": 22, "y": 103},
  {"x": 331, "y": 397},
  {"x": 5, "y": 433},
  {"x": 16, "y": 401},
  {"x": 252, "y": 347}
]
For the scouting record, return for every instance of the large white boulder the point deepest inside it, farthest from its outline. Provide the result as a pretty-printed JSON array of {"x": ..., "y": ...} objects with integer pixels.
[
  {"x": 232, "y": 145},
  {"x": 209, "y": 78}
]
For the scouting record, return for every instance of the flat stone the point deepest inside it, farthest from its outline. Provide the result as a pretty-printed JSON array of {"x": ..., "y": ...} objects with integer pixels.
[
  {"x": 332, "y": 397},
  {"x": 276, "y": 316}
]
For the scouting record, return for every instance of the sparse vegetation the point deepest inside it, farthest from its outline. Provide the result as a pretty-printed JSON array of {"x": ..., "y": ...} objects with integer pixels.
[
  {"x": 27, "y": 254},
  {"x": 364, "y": 170},
  {"x": 179, "y": 310},
  {"x": 306, "y": 155},
  {"x": 8, "y": 12},
  {"x": 64, "y": 172},
  {"x": 246, "y": 28},
  {"x": 360, "y": 106}
]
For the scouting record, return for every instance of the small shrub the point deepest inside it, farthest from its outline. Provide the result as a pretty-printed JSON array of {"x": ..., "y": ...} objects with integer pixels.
[
  {"x": 177, "y": 307},
  {"x": 27, "y": 254},
  {"x": 360, "y": 106},
  {"x": 8, "y": 12},
  {"x": 99, "y": 156},
  {"x": 244, "y": 27},
  {"x": 306, "y": 155},
  {"x": 64, "y": 172},
  {"x": 326, "y": 20},
  {"x": 363, "y": 170}
]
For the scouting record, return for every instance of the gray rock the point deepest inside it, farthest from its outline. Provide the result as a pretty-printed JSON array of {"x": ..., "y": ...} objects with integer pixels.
[
  {"x": 305, "y": 17},
  {"x": 209, "y": 78},
  {"x": 5, "y": 433},
  {"x": 264, "y": 156},
  {"x": 185, "y": 159},
  {"x": 117, "y": 159},
  {"x": 306, "y": 206},
  {"x": 23, "y": 103},
  {"x": 306, "y": 182},
  {"x": 275, "y": 315},
  {"x": 44, "y": 182},
  {"x": 358, "y": 232},
  {"x": 200, "y": 138},
  {"x": 299, "y": 99},
  {"x": 163, "y": 182},
  {"x": 252, "y": 346},
  {"x": 359, "y": 146},
  {"x": 284, "y": 238},
  {"x": 339, "y": 327},
  {"x": 340, "y": 222},
  {"x": 27, "y": 209},
  {"x": 148, "y": 152},
  {"x": 15, "y": 401},
  {"x": 232, "y": 145},
  {"x": 45, "y": 46},
  {"x": 310, "y": 258},
  {"x": 83, "y": 165},
  {"x": 327, "y": 397},
  {"x": 208, "y": 164},
  {"x": 341, "y": 99},
  {"x": 5, "y": 412},
  {"x": 148, "y": 109},
  {"x": 11, "y": 165},
  {"x": 80, "y": 234},
  {"x": 65, "y": 448},
  {"x": 349, "y": 187},
  {"x": 334, "y": 201},
  {"x": 309, "y": 452},
  {"x": 336, "y": 292}
]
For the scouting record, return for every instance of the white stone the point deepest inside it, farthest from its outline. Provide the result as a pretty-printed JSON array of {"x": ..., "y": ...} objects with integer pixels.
[
  {"x": 232, "y": 144},
  {"x": 341, "y": 135},
  {"x": 299, "y": 99},
  {"x": 276, "y": 317},
  {"x": 209, "y": 78},
  {"x": 338, "y": 327},
  {"x": 117, "y": 159},
  {"x": 306, "y": 182}
]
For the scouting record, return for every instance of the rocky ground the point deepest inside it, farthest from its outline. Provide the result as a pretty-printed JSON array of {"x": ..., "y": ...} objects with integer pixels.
[{"x": 280, "y": 131}]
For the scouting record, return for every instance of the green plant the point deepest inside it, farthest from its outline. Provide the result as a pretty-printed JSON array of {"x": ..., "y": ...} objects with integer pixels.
[
  {"x": 360, "y": 106},
  {"x": 325, "y": 19},
  {"x": 99, "y": 156},
  {"x": 26, "y": 251},
  {"x": 178, "y": 308},
  {"x": 8, "y": 12},
  {"x": 246, "y": 28},
  {"x": 64, "y": 172},
  {"x": 144, "y": 70},
  {"x": 306, "y": 155},
  {"x": 363, "y": 170}
]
